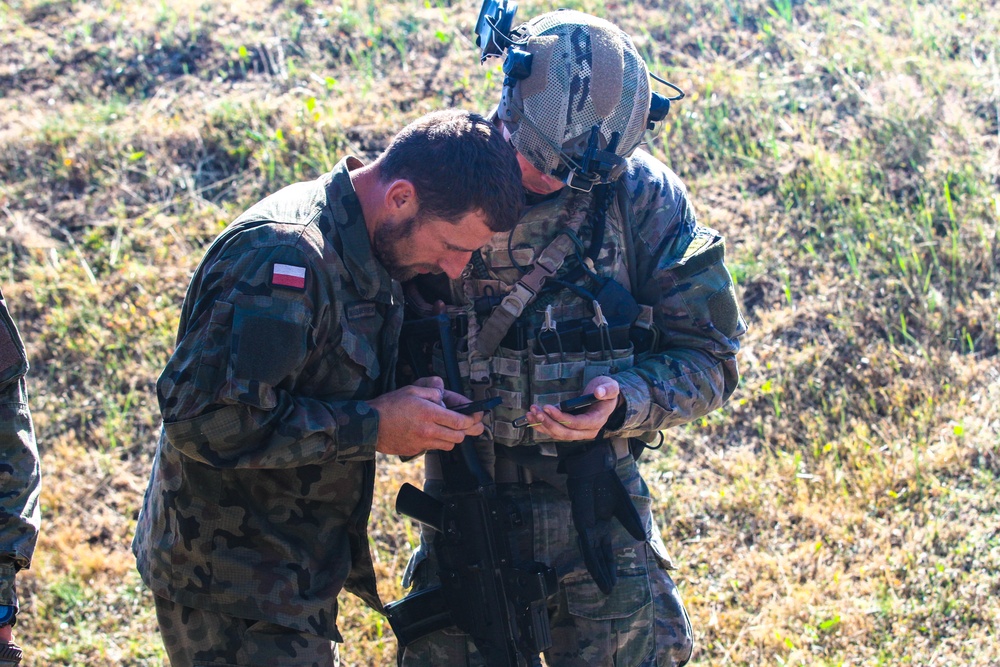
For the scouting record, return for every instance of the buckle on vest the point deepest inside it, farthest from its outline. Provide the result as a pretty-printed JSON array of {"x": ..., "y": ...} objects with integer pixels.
[{"x": 518, "y": 298}]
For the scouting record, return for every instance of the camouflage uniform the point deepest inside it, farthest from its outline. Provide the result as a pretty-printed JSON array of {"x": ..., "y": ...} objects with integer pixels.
[
  {"x": 654, "y": 247},
  {"x": 20, "y": 478},
  {"x": 263, "y": 477}
]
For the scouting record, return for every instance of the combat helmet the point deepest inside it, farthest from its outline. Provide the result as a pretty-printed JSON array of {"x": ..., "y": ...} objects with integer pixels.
[{"x": 576, "y": 97}]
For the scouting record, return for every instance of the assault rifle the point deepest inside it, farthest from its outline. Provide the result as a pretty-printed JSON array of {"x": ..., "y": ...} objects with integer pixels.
[{"x": 486, "y": 589}]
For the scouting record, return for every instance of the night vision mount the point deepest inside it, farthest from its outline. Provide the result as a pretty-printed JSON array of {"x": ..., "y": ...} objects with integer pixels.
[
  {"x": 493, "y": 27},
  {"x": 493, "y": 37}
]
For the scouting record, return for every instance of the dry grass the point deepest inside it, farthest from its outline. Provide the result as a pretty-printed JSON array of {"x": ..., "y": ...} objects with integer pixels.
[{"x": 842, "y": 509}]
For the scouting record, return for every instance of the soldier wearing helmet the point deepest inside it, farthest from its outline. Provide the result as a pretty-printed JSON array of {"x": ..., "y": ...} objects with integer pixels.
[
  {"x": 584, "y": 106},
  {"x": 607, "y": 286}
]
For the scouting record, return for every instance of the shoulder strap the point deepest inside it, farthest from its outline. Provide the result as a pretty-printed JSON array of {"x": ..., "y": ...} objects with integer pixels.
[
  {"x": 548, "y": 263},
  {"x": 524, "y": 292}
]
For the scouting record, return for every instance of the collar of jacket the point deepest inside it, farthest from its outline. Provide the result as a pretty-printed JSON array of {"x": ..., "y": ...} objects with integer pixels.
[{"x": 370, "y": 278}]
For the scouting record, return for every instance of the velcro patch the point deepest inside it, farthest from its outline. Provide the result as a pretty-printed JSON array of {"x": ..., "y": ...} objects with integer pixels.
[
  {"x": 269, "y": 349},
  {"x": 724, "y": 311},
  {"x": 358, "y": 311},
  {"x": 288, "y": 275}
]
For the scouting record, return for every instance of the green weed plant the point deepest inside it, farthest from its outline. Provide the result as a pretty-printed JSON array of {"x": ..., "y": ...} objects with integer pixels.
[{"x": 841, "y": 509}]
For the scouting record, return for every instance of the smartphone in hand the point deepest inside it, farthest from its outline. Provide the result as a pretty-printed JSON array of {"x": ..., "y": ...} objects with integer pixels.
[{"x": 571, "y": 406}]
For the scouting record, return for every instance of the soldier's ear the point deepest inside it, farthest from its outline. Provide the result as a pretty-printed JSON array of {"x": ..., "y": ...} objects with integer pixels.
[{"x": 401, "y": 197}]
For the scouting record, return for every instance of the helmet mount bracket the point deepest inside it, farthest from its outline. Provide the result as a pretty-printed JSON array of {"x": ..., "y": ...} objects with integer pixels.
[{"x": 493, "y": 27}]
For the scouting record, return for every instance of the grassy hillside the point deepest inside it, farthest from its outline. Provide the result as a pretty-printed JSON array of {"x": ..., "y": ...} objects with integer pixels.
[{"x": 842, "y": 509}]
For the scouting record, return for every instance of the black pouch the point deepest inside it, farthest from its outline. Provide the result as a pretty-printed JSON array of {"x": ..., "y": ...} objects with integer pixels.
[
  {"x": 568, "y": 340},
  {"x": 594, "y": 340},
  {"x": 642, "y": 339},
  {"x": 618, "y": 304},
  {"x": 516, "y": 337}
]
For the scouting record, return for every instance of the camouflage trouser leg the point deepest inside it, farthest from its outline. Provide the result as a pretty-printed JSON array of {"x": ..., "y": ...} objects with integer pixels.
[
  {"x": 194, "y": 637},
  {"x": 641, "y": 624}
]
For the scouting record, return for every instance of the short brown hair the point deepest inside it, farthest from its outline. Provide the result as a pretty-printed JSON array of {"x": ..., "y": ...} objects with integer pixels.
[{"x": 459, "y": 163}]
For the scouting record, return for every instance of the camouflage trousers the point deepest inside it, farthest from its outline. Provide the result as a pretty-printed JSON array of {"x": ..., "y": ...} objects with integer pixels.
[
  {"x": 195, "y": 637},
  {"x": 642, "y": 623}
]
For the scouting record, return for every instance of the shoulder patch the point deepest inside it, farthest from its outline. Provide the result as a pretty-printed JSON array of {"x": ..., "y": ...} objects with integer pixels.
[
  {"x": 706, "y": 248},
  {"x": 288, "y": 275}
]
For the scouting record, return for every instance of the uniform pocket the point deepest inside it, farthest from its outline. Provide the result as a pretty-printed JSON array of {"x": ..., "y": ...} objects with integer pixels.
[
  {"x": 630, "y": 594},
  {"x": 555, "y": 378},
  {"x": 619, "y": 626},
  {"x": 360, "y": 351},
  {"x": 268, "y": 345},
  {"x": 213, "y": 367},
  {"x": 510, "y": 384}
]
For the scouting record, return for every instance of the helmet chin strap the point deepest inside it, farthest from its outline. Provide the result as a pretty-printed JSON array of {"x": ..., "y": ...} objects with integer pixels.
[{"x": 595, "y": 166}]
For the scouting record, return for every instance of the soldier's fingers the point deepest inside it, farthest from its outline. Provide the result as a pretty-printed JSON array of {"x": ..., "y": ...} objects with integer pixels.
[
  {"x": 443, "y": 438},
  {"x": 603, "y": 387},
  {"x": 560, "y": 426},
  {"x": 442, "y": 445},
  {"x": 433, "y": 394},
  {"x": 432, "y": 382},
  {"x": 587, "y": 421},
  {"x": 454, "y": 420},
  {"x": 476, "y": 429},
  {"x": 449, "y": 426},
  {"x": 452, "y": 398}
]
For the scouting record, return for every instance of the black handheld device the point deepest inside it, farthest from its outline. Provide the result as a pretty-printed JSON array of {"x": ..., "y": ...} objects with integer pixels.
[
  {"x": 571, "y": 406},
  {"x": 574, "y": 406},
  {"x": 477, "y": 406}
]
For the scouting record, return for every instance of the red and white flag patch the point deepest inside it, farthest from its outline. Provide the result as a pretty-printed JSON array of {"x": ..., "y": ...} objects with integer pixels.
[{"x": 287, "y": 275}]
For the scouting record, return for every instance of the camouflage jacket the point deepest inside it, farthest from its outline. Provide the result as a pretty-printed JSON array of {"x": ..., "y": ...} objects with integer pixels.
[
  {"x": 20, "y": 478},
  {"x": 654, "y": 247},
  {"x": 263, "y": 477}
]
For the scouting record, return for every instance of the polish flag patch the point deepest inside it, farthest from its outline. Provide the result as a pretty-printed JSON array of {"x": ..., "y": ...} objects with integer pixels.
[{"x": 287, "y": 275}]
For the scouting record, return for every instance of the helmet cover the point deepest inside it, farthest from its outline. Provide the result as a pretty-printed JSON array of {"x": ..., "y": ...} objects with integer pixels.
[{"x": 585, "y": 72}]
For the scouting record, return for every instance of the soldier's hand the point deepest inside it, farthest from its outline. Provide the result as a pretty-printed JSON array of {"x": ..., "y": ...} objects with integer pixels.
[
  {"x": 414, "y": 419},
  {"x": 550, "y": 421},
  {"x": 448, "y": 398},
  {"x": 10, "y": 653}
]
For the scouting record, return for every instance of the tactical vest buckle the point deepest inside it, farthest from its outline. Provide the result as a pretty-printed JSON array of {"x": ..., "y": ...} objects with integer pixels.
[{"x": 516, "y": 301}]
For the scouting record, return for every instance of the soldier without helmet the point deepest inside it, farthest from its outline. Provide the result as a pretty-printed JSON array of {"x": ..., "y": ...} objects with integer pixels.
[{"x": 281, "y": 390}]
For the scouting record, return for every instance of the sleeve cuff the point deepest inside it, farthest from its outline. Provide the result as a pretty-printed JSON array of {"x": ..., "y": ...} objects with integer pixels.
[
  {"x": 8, "y": 592},
  {"x": 636, "y": 399},
  {"x": 357, "y": 435}
]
